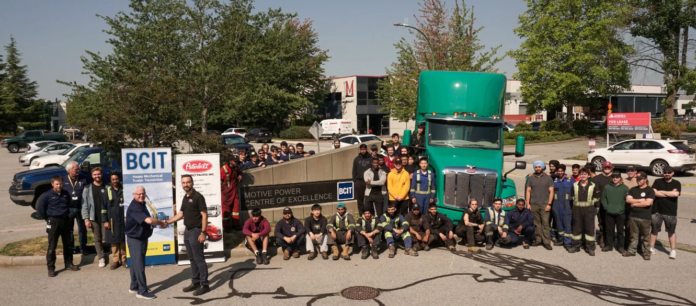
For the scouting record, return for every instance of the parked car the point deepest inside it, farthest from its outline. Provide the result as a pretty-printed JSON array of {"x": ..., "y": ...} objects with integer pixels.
[
  {"x": 536, "y": 126},
  {"x": 14, "y": 143},
  {"x": 259, "y": 135},
  {"x": 651, "y": 154},
  {"x": 508, "y": 127},
  {"x": 358, "y": 139},
  {"x": 237, "y": 142},
  {"x": 38, "y": 145},
  {"x": 235, "y": 131},
  {"x": 53, "y": 148},
  {"x": 28, "y": 186},
  {"x": 56, "y": 159}
]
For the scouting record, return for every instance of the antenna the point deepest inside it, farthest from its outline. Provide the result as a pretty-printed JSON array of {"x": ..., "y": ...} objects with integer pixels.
[{"x": 405, "y": 21}]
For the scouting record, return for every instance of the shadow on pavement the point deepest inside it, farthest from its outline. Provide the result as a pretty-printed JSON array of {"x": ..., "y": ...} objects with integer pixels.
[
  {"x": 518, "y": 269},
  {"x": 184, "y": 276}
]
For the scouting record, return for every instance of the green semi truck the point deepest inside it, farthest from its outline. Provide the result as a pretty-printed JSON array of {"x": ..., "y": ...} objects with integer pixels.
[{"x": 464, "y": 115}]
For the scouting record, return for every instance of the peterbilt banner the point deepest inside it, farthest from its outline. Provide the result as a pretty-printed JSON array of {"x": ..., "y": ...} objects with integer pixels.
[
  {"x": 628, "y": 123},
  {"x": 272, "y": 196},
  {"x": 205, "y": 171},
  {"x": 152, "y": 169}
]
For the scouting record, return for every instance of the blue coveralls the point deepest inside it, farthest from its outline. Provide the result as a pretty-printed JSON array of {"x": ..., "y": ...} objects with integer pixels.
[
  {"x": 423, "y": 188},
  {"x": 390, "y": 223},
  {"x": 562, "y": 210}
]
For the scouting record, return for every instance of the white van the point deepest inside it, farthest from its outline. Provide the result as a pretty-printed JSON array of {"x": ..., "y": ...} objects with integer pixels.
[{"x": 336, "y": 127}]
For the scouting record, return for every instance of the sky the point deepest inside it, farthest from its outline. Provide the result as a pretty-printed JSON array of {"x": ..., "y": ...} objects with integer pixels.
[{"x": 359, "y": 34}]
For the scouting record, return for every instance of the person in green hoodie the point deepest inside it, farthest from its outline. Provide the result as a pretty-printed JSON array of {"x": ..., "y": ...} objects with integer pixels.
[{"x": 614, "y": 204}]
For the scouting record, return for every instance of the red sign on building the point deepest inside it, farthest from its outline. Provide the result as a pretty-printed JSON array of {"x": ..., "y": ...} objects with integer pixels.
[{"x": 628, "y": 123}]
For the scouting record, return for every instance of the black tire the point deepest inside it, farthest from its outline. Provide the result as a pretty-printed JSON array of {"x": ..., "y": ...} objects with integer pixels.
[
  {"x": 657, "y": 167},
  {"x": 13, "y": 148},
  {"x": 597, "y": 161},
  {"x": 39, "y": 191}
]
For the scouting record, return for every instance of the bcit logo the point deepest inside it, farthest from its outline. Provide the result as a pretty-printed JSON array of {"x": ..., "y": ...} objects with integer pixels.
[
  {"x": 197, "y": 166},
  {"x": 345, "y": 191},
  {"x": 166, "y": 247}
]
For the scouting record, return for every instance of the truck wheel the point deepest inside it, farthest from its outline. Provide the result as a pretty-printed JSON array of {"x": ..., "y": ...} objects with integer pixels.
[
  {"x": 13, "y": 148},
  {"x": 657, "y": 168}
]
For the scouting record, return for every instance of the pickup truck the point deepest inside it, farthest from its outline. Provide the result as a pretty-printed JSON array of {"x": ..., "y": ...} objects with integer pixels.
[
  {"x": 28, "y": 186},
  {"x": 14, "y": 143}
]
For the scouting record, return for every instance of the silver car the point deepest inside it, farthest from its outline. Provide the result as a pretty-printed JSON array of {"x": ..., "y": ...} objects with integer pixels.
[
  {"x": 53, "y": 148},
  {"x": 38, "y": 145}
]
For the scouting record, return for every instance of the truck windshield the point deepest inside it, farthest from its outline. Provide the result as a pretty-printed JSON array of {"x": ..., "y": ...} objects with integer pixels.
[
  {"x": 80, "y": 153},
  {"x": 464, "y": 134}
]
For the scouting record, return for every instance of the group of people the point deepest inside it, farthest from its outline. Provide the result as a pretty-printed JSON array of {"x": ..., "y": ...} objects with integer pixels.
[{"x": 568, "y": 208}]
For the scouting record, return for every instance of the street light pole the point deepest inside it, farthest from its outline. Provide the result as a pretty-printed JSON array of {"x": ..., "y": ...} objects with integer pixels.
[{"x": 432, "y": 51}]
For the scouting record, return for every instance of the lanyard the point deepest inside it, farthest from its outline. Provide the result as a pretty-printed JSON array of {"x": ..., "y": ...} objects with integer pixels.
[{"x": 71, "y": 184}]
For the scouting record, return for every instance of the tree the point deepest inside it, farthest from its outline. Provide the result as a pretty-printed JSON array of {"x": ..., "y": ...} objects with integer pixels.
[
  {"x": 455, "y": 47},
  {"x": 17, "y": 91},
  {"x": 661, "y": 29},
  {"x": 572, "y": 53}
]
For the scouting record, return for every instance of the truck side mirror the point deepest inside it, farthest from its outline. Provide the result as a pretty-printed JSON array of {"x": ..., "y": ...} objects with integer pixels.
[
  {"x": 406, "y": 140},
  {"x": 85, "y": 167},
  {"x": 519, "y": 165},
  {"x": 519, "y": 147}
]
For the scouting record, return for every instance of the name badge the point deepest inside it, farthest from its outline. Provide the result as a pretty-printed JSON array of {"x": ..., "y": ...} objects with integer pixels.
[{"x": 74, "y": 198}]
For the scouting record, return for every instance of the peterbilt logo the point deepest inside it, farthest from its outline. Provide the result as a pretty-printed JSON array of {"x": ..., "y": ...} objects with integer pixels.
[{"x": 197, "y": 166}]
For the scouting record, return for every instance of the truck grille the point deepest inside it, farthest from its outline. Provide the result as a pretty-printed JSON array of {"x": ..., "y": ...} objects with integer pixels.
[{"x": 460, "y": 187}]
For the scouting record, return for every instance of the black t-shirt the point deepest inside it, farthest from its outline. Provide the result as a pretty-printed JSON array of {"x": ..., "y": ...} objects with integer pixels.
[
  {"x": 668, "y": 205},
  {"x": 97, "y": 192},
  {"x": 642, "y": 212},
  {"x": 600, "y": 181},
  {"x": 192, "y": 206},
  {"x": 474, "y": 217}
]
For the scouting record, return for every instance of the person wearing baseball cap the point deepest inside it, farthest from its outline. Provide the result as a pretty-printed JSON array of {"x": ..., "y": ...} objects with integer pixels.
[
  {"x": 415, "y": 221},
  {"x": 601, "y": 180},
  {"x": 290, "y": 234},
  {"x": 641, "y": 199},
  {"x": 373, "y": 150},
  {"x": 341, "y": 230},
  {"x": 667, "y": 191},
  {"x": 630, "y": 180}
]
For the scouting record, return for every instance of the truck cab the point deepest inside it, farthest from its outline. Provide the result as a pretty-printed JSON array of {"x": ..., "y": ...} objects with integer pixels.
[
  {"x": 14, "y": 144},
  {"x": 463, "y": 115}
]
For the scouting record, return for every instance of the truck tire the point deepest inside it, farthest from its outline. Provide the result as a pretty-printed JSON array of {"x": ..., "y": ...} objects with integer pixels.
[
  {"x": 39, "y": 191},
  {"x": 13, "y": 148}
]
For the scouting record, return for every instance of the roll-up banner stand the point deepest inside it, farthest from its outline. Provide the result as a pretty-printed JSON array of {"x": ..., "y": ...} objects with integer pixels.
[
  {"x": 205, "y": 171},
  {"x": 152, "y": 169}
]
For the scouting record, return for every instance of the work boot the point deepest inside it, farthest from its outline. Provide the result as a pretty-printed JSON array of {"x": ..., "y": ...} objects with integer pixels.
[
  {"x": 286, "y": 254},
  {"x": 201, "y": 290},
  {"x": 558, "y": 243},
  {"x": 525, "y": 245},
  {"x": 51, "y": 273},
  {"x": 72, "y": 267},
  {"x": 264, "y": 258},
  {"x": 452, "y": 249},
  {"x": 548, "y": 247},
  {"x": 426, "y": 247},
  {"x": 191, "y": 287},
  {"x": 646, "y": 256},
  {"x": 346, "y": 252},
  {"x": 601, "y": 242},
  {"x": 311, "y": 256},
  {"x": 334, "y": 252},
  {"x": 258, "y": 258},
  {"x": 411, "y": 252},
  {"x": 567, "y": 248},
  {"x": 392, "y": 251},
  {"x": 375, "y": 252},
  {"x": 591, "y": 252},
  {"x": 417, "y": 246},
  {"x": 628, "y": 254},
  {"x": 607, "y": 249},
  {"x": 296, "y": 254},
  {"x": 365, "y": 253},
  {"x": 621, "y": 250},
  {"x": 537, "y": 243},
  {"x": 324, "y": 255},
  {"x": 474, "y": 249},
  {"x": 114, "y": 266},
  {"x": 489, "y": 247},
  {"x": 573, "y": 250}
]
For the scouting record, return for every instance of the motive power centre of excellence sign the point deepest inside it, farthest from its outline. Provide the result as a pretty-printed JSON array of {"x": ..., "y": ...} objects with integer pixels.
[
  {"x": 272, "y": 196},
  {"x": 628, "y": 123}
]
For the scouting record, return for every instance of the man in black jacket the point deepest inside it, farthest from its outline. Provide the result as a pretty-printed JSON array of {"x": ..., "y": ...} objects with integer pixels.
[
  {"x": 438, "y": 227},
  {"x": 290, "y": 234},
  {"x": 361, "y": 163},
  {"x": 53, "y": 206}
]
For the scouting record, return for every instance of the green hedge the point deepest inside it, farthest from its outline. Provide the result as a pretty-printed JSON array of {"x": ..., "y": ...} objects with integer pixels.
[
  {"x": 523, "y": 127},
  {"x": 535, "y": 137},
  {"x": 296, "y": 132}
]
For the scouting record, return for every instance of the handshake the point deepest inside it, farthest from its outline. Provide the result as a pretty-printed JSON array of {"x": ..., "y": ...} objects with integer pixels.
[{"x": 163, "y": 224}]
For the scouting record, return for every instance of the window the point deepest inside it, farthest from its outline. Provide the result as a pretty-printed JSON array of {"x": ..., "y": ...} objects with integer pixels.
[
  {"x": 651, "y": 145},
  {"x": 347, "y": 140},
  {"x": 233, "y": 140},
  {"x": 369, "y": 138},
  {"x": 624, "y": 105},
  {"x": 465, "y": 134},
  {"x": 254, "y": 131},
  {"x": 94, "y": 159},
  {"x": 33, "y": 134},
  {"x": 628, "y": 145},
  {"x": 646, "y": 105}
]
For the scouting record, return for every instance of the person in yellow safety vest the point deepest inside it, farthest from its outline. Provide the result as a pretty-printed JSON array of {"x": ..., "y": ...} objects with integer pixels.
[
  {"x": 341, "y": 228},
  {"x": 584, "y": 197},
  {"x": 395, "y": 226},
  {"x": 370, "y": 234},
  {"x": 496, "y": 225},
  {"x": 230, "y": 176}
]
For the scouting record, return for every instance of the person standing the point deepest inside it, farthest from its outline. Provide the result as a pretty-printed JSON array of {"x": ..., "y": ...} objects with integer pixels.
[
  {"x": 584, "y": 194},
  {"x": 390, "y": 158},
  {"x": 301, "y": 152},
  {"x": 667, "y": 192},
  {"x": 641, "y": 199},
  {"x": 139, "y": 223},
  {"x": 336, "y": 144},
  {"x": 290, "y": 234},
  {"x": 256, "y": 230},
  {"x": 361, "y": 163},
  {"x": 614, "y": 204},
  {"x": 114, "y": 219},
  {"x": 54, "y": 207},
  {"x": 75, "y": 183},
  {"x": 576, "y": 173},
  {"x": 375, "y": 180},
  {"x": 539, "y": 196},
  {"x": 315, "y": 225},
  {"x": 194, "y": 211},
  {"x": 470, "y": 227},
  {"x": 341, "y": 228},
  {"x": 398, "y": 186},
  {"x": 630, "y": 181},
  {"x": 418, "y": 138},
  {"x": 520, "y": 222},
  {"x": 91, "y": 211},
  {"x": 601, "y": 180},
  {"x": 395, "y": 143},
  {"x": 562, "y": 209},
  {"x": 230, "y": 176},
  {"x": 423, "y": 189}
]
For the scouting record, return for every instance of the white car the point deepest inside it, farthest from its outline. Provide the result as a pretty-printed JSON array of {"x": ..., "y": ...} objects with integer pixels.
[
  {"x": 235, "y": 131},
  {"x": 358, "y": 139},
  {"x": 38, "y": 145},
  {"x": 651, "y": 154},
  {"x": 56, "y": 159},
  {"x": 51, "y": 149}
]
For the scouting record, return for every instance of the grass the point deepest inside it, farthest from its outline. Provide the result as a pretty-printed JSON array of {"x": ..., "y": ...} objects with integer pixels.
[
  {"x": 582, "y": 156},
  {"x": 37, "y": 246},
  {"x": 555, "y": 138}
]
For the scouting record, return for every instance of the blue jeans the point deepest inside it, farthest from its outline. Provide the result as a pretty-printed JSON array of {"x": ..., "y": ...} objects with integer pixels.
[
  {"x": 137, "y": 249},
  {"x": 75, "y": 214}
]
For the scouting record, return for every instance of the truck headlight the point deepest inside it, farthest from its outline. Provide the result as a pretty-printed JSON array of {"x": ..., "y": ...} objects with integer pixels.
[
  {"x": 17, "y": 183},
  {"x": 509, "y": 201}
]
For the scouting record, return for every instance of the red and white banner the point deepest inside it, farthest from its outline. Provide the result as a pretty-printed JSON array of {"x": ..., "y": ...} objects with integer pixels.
[{"x": 629, "y": 123}]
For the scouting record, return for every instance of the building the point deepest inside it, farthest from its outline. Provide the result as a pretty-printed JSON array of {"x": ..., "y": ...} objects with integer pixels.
[
  {"x": 353, "y": 97},
  {"x": 58, "y": 112}
]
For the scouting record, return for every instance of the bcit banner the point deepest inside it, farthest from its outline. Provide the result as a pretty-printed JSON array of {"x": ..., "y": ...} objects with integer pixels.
[
  {"x": 205, "y": 171},
  {"x": 151, "y": 168}
]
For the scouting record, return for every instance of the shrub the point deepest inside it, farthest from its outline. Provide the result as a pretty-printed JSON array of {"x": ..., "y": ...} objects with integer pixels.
[
  {"x": 668, "y": 129},
  {"x": 583, "y": 127},
  {"x": 296, "y": 132},
  {"x": 531, "y": 135},
  {"x": 523, "y": 127},
  {"x": 691, "y": 129},
  {"x": 554, "y": 125}
]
